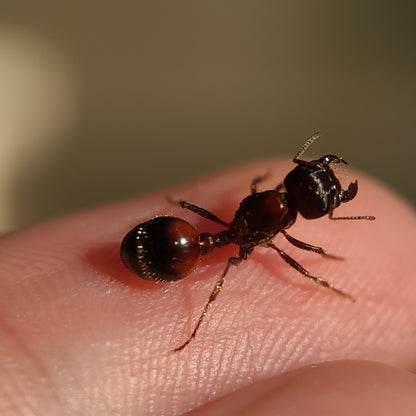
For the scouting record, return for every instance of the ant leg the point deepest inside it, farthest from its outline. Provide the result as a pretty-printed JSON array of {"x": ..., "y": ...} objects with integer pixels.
[
  {"x": 256, "y": 181},
  {"x": 198, "y": 210},
  {"x": 304, "y": 147},
  {"x": 352, "y": 217},
  {"x": 279, "y": 187},
  {"x": 309, "y": 247},
  {"x": 291, "y": 262},
  {"x": 232, "y": 261}
]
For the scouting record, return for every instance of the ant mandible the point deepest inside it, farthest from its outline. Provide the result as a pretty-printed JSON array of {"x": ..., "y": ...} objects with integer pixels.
[{"x": 167, "y": 248}]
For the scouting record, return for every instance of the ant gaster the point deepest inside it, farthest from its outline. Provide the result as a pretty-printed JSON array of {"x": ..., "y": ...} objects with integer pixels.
[{"x": 168, "y": 248}]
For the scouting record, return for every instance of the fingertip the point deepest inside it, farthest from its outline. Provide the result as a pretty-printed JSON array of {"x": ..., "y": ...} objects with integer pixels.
[{"x": 333, "y": 388}]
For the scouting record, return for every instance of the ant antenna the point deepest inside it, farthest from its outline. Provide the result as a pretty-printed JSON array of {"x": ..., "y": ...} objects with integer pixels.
[{"x": 306, "y": 145}]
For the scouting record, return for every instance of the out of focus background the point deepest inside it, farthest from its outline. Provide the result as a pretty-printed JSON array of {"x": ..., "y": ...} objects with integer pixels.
[{"x": 104, "y": 100}]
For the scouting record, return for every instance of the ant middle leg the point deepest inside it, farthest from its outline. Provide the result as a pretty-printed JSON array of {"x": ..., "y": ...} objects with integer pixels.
[
  {"x": 232, "y": 261},
  {"x": 309, "y": 247},
  {"x": 293, "y": 263}
]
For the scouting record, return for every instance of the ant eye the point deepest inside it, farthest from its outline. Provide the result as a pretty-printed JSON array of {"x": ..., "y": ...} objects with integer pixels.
[{"x": 162, "y": 249}]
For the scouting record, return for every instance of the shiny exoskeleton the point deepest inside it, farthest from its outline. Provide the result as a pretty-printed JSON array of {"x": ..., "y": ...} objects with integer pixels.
[{"x": 169, "y": 248}]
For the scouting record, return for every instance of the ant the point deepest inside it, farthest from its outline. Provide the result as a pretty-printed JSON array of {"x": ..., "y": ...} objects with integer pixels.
[{"x": 167, "y": 248}]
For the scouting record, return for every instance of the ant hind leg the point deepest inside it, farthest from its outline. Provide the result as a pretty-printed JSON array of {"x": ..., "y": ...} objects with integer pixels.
[
  {"x": 198, "y": 210},
  {"x": 232, "y": 261}
]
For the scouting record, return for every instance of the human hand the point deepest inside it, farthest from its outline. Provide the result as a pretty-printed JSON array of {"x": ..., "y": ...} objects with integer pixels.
[{"x": 81, "y": 335}]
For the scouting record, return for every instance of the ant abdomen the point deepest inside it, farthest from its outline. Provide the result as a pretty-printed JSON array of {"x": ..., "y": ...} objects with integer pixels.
[{"x": 163, "y": 249}]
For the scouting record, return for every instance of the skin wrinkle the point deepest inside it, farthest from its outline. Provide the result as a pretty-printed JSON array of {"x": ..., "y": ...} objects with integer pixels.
[
  {"x": 294, "y": 350},
  {"x": 26, "y": 354},
  {"x": 268, "y": 345}
]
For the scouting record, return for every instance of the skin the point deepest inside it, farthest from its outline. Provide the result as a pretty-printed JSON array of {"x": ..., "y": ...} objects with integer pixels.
[{"x": 81, "y": 335}]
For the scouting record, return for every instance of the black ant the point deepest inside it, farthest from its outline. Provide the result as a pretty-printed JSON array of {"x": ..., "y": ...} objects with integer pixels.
[{"x": 168, "y": 248}]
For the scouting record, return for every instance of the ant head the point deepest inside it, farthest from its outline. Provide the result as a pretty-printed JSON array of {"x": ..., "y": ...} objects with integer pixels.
[
  {"x": 327, "y": 159},
  {"x": 314, "y": 188}
]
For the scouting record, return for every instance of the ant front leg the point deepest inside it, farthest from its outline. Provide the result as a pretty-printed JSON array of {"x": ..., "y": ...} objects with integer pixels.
[
  {"x": 293, "y": 263},
  {"x": 309, "y": 247},
  {"x": 232, "y": 261}
]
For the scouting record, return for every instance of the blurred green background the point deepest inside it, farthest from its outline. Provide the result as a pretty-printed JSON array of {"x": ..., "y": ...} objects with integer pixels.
[{"x": 102, "y": 101}]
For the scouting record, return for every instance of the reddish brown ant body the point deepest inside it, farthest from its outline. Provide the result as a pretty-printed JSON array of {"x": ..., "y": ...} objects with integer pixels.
[{"x": 169, "y": 248}]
